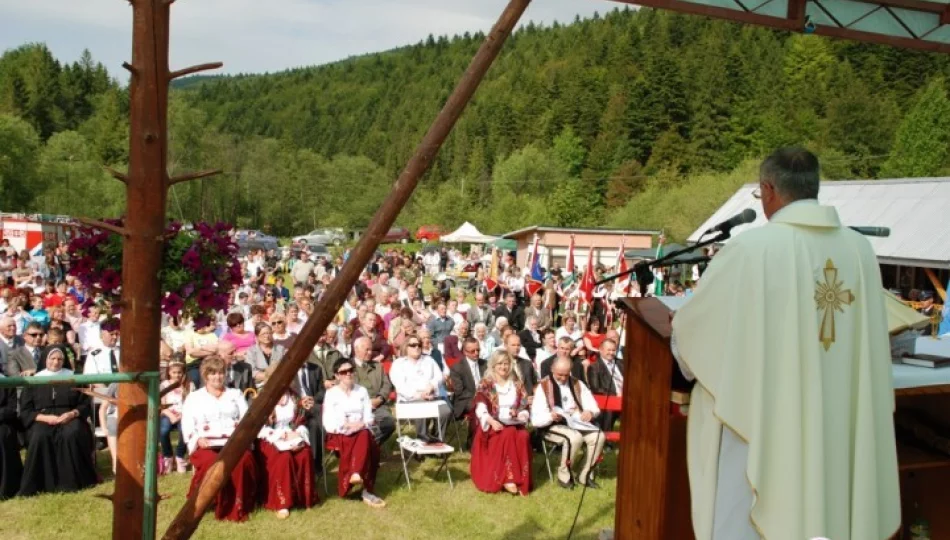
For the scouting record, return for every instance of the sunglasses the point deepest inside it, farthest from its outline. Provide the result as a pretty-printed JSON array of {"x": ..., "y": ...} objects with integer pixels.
[
  {"x": 36, "y": 334},
  {"x": 278, "y": 322},
  {"x": 413, "y": 344},
  {"x": 348, "y": 371}
]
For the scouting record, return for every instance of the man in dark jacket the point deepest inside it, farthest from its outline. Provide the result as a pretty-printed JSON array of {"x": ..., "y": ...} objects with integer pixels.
[
  {"x": 605, "y": 376},
  {"x": 465, "y": 377}
]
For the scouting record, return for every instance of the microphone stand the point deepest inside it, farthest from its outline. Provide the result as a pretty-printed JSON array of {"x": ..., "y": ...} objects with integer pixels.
[{"x": 641, "y": 269}]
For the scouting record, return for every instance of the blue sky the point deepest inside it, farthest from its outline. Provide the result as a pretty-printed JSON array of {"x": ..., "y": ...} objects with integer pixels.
[{"x": 253, "y": 36}]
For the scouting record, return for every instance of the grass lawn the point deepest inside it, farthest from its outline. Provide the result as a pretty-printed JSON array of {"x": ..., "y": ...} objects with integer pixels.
[{"x": 431, "y": 510}]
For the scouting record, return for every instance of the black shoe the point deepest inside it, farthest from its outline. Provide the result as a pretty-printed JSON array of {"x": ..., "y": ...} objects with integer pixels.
[
  {"x": 566, "y": 485},
  {"x": 592, "y": 484}
]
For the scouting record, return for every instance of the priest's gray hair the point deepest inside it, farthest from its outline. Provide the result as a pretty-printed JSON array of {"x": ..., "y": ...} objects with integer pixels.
[{"x": 793, "y": 172}]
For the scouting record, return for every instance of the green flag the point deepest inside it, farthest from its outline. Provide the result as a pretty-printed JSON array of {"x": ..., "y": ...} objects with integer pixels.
[{"x": 658, "y": 284}]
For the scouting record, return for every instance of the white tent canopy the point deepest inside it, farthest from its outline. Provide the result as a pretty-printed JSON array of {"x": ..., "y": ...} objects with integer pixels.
[{"x": 467, "y": 234}]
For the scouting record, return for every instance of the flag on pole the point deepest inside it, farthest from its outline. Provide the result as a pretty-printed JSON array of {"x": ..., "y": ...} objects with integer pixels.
[
  {"x": 945, "y": 323},
  {"x": 571, "y": 274},
  {"x": 491, "y": 280},
  {"x": 536, "y": 273},
  {"x": 536, "y": 280},
  {"x": 587, "y": 282},
  {"x": 621, "y": 267},
  {"x": 658, "y": 284}
]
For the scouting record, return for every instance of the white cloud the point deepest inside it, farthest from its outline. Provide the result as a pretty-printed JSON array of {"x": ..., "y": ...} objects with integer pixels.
[{"x": 252, "y": 36}]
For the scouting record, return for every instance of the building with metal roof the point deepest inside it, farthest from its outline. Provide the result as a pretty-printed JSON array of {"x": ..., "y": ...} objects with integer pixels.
[
  {"x": 553, "y": 243},
  {"x": 917, "y": 211}
]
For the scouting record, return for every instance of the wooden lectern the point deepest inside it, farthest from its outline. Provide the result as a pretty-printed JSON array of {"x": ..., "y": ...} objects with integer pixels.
[{"x": 653, "y": 485}]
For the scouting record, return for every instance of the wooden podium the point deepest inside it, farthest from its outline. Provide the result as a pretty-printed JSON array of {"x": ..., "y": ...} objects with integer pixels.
[{"x": 653, "y": 485}]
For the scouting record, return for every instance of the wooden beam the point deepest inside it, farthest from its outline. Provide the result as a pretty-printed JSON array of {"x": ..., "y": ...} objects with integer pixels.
[
  {"x": 194, "y": 509},
  {"x": 95, "y": 223},
  {"x": 936, "y": 283},
  {"x": 717, "y": 12},
  {"x": 796, "y": 12},
  {"x": 193, "y": 69},
  {"x": 122, "y": 177},
  {"x": 192, "y": 176}
]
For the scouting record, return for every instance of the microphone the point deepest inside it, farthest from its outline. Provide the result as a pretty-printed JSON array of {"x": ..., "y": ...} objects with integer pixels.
[
  {"x": 747, "y": 216},
  {"x": 873, "y": 231}
]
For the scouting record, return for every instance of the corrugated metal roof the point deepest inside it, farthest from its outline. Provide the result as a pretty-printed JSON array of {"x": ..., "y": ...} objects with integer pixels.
[
  {"x": 916, "y": 210},
  {"x": 599, "y": 230}
]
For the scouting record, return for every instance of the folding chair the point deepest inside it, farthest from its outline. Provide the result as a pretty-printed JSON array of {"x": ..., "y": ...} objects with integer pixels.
[
  {"x": 611, "y": 404},
  {"x": 329, "y": 452},
  {"x": 409, "y": 448}
]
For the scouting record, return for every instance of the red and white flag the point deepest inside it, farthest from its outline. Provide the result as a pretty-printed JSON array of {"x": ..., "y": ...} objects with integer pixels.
[
  {"x": 621, "y": 267},
  {"x": 587, "y": 282}
]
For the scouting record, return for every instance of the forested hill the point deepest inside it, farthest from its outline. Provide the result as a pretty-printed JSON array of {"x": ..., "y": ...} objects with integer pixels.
[{"x": 635, "y": 118}]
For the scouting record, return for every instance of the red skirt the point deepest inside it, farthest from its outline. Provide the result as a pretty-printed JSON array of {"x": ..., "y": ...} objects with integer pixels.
[
  {"x": 359, "y": 454},
  {"x": 501, "y": 457},
  {"x": 238, "y": 496},
  {"x": 288, "y": 477}
]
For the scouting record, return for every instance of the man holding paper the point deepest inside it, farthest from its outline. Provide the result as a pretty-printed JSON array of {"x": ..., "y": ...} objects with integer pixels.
[
  {"x": 790, "y": 432},
  {"x": 565, "y": 409}
]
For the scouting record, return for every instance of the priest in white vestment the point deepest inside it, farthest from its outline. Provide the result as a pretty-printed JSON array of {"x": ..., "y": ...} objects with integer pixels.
[{"x": 790, "y": 432}]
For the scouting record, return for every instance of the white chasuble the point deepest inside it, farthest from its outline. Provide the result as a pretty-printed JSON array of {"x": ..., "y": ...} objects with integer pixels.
[{"x": 787, "y": 337}]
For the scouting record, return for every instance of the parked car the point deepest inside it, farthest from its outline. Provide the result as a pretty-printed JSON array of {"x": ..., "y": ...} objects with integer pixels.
[
  {"x": 316, "y": 252},
  {"x": 321, "y": 236},
  {"x": 397, "y": 234},
  {"x": 248, "y": 240},
  {"x": 428, "y": 233}
]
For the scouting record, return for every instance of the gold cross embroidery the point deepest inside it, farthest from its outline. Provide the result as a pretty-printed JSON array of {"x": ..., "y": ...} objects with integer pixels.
[{"x": 830, "y": 297}]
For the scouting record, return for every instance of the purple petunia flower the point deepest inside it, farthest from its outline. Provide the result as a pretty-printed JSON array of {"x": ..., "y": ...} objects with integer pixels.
[
  {"x": 173, "y": 228},
  {"x": 191, "y": 259},
  {"x": 172, "y": 304},
  {"x": 188, "y": 289},
  {"x": 202, "y": 320},
  {"x": 110, "y": 280},
  {"x": 206, "y": 299}
]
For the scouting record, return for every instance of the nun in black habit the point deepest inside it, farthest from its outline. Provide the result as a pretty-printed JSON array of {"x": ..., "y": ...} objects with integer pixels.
[
  {"x": 11, "y": 468},
  {"x": 59, "y": 447}
]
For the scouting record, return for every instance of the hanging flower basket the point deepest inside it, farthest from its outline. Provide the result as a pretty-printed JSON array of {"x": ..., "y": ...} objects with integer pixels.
[{"x": 199, "y": 269}]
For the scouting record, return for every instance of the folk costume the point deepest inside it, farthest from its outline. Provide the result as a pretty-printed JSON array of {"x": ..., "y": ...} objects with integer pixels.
[{"x": 501, "y": 457}]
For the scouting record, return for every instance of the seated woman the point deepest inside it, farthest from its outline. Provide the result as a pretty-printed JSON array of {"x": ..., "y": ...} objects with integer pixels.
[
  {"x": 11, "y": 468},
  {"x": 208, "y": 418},
  {"x": 59, "y": 444},
  {"x": 171, "y": 416},
  {"x": 501, "y": 452},
  {"x": 285, "y": 455},
  {"x": 347, "y": 417}
]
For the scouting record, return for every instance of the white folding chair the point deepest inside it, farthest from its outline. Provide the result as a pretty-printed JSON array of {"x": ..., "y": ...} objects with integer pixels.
[{"x": 409, "y": 447}]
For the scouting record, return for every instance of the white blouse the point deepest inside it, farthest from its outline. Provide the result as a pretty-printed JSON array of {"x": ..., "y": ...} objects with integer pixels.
[
  {"x": 204, "y": 415},
  {"x": 411, "y": 377},
  {"x": 340, "y": 407},
  {"x": 285, "y": 412},
  {"x": 507, "y": 400}
]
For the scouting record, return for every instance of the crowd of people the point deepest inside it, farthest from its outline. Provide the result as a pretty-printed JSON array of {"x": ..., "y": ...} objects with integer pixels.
[{"x": 519, "y": 371}]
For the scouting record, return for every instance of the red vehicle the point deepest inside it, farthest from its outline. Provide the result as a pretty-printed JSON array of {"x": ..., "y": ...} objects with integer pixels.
[
  {"x": 428, "y": 233},
  {"x": 397, "y": 234}
]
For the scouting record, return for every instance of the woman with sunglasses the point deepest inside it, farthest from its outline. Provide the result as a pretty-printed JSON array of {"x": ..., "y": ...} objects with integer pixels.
[{"x": 347, "y": 419}]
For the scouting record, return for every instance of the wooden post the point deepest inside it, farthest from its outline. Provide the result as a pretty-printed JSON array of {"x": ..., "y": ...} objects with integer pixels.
[
  {"x": 191, "y": 513},
  {"x": 147, "y": 186},
  {"x": 936, "y": 283},
  {"x": 141, "y": 253}
]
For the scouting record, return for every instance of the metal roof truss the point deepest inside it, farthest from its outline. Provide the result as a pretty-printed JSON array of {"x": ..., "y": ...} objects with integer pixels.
[{"x": 914, "y": 24}]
